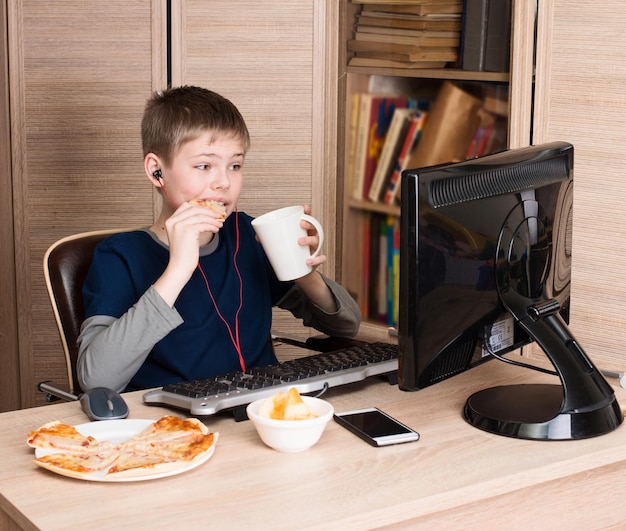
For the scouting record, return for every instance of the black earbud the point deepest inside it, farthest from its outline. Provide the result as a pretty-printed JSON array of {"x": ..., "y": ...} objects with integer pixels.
[{"x": 157, "y": 174}]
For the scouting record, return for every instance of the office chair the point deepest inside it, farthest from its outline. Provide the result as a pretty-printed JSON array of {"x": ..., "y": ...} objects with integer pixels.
[{"x": 65, "y": 267}]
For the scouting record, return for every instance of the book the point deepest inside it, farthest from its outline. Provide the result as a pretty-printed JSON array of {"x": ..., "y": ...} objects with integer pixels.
[
  {"x": 389, "y": 63},
  {"x": 496, "y": 104},
  {"x": 412, "y": 37},
  {"x": 353, "y": 254},
  {"x": 393, "y": 269},
  {"x": 417, "y": 9},
  {"x": 375, "y": 113},
  {"x": 402, "y": 32},
  {"x": 369, "y": 259},
  {"x": 382, "y": 276},
  {"x": 474, "y": 35},
  {"x": 482, "y": 135},
  {"x": 497, "y": 138},
  {"x": 498, "y": 42},
  {"x": 367, "y": 268},
  {"x": 361, "y": 247},
  {"x": 357, "y": 162},
  {"x": 363, "y": 124},
  {"x": 490, "y": 135},
  {"x": 394, "y": 48},
  {"x": 424, "y": 54},
  {"x": 410, "y": 141},
  {"x": 403, "y": 2},
  {"x": 391, "y": 148},
  {"x": 452, "y": 122},
  {"x": 414, "y": 23}
]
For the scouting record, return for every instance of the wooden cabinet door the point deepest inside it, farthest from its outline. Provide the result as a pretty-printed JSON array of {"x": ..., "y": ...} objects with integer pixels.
[
  {"x": 581, "y": 74},
  {"x": 276, "y": 61},
  {"x": 79, "y": 74}
]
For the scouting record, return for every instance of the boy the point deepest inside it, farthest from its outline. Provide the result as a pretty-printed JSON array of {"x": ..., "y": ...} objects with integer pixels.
[{"x": 191, "y": 296}]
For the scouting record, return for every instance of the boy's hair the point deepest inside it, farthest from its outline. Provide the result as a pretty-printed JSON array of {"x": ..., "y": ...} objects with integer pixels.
[{"x": 177, "y": 115}]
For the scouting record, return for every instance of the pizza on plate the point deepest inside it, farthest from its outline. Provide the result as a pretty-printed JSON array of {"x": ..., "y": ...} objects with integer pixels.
[
  {"x": 166, "y": 445},
  {"x": 61, "y": 437}
]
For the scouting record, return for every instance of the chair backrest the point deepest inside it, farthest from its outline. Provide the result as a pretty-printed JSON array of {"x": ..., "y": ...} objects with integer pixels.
[{"x": 65, "y": 266}]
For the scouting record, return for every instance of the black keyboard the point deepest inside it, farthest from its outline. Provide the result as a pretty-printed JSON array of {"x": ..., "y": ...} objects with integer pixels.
[{"x": 307, "y": 374}]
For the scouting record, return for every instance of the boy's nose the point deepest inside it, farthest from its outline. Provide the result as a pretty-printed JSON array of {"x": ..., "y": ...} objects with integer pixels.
[{"x": 221, "y": 181}]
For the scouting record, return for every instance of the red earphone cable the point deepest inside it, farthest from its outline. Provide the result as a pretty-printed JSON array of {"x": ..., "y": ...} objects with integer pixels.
[{"x": 233, "y": 337}]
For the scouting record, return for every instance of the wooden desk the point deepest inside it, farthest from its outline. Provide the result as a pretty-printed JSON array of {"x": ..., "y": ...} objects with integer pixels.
[{"x": 455, "y": 477}]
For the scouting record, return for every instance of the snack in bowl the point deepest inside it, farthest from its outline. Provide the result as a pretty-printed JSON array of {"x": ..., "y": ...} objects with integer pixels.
[
  {"x": 290, "y": 435},
  {"x": 286, "y": 406},
  {"x": 164, "y": 446},
  {"x": 215, "y": 206}
]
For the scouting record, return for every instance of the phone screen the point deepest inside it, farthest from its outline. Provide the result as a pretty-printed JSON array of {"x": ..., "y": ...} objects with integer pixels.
[{"x": 376, "y": 427}]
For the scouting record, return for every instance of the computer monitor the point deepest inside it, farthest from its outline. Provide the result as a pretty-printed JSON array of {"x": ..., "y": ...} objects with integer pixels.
[{"x": 485, "y": 261}]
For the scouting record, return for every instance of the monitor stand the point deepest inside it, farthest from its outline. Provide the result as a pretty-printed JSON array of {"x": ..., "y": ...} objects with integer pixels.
[
  {"x": 534, "y": 411},
  {"x": 583, "y": 406}
]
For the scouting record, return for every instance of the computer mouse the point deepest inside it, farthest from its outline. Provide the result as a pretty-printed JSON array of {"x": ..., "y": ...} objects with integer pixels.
[{"x": 102, "y": 403}]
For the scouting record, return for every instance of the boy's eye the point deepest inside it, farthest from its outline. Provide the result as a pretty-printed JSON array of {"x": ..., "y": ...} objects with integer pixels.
[
  {"x": 203, "y": 166},
  {"x": 235, "y": 167}
]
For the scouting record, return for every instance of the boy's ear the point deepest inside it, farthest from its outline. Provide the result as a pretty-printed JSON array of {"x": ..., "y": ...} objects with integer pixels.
[{"x": 152, "y": 166}]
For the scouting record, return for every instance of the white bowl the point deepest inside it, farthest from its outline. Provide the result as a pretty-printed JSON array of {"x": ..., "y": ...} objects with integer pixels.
[{"x": 291, "y": 435}]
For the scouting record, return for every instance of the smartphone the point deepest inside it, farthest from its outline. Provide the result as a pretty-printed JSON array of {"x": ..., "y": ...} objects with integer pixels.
[{"x": 376, "y": 427}]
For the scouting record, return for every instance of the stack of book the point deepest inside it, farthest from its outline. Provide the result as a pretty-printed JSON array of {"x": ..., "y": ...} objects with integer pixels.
[{"x": 409, "y": 34}]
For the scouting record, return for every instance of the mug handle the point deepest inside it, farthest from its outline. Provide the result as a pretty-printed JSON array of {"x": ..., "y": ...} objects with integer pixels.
[{"x": 318, "y": 228}]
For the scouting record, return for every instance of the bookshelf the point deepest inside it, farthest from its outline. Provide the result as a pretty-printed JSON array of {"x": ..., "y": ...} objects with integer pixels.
[{"x": 362, "y": 217}]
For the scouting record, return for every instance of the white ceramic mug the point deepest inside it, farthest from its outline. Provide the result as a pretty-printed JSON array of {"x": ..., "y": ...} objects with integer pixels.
[{"x": 278, "y": 232}]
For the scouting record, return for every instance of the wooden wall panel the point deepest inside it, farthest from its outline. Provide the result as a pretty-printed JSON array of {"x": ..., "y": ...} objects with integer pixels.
[
  {"x": 80, "y": 73},
  {"x": 580, "y": 98},
  {"x": 9, "y": 376},
  {"x": 277, "y": 62}
]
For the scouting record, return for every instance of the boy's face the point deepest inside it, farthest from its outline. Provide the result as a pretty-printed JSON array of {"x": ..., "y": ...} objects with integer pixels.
[{"x": 202, "y": 169}]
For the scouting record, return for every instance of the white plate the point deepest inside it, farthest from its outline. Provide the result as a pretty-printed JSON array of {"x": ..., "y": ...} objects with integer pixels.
[{"x": 117, "y": 431}]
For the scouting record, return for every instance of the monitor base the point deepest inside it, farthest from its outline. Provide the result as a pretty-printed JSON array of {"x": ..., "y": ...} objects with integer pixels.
[{"x": 533, "y": 411}]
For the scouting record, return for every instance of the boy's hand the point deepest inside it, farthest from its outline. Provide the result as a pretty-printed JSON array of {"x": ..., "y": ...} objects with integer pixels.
[
  {"x": 312, "y": 284},
  {"x": 189, "y": 227},
  {"x": 312, "y": 240}
]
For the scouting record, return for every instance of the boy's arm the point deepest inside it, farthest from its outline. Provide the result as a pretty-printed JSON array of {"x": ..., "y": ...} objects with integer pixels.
[
  {"x": 112, "y": 350},
  {"x": 329, "y": 309},
  {"x": 318, "y": 292}
]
